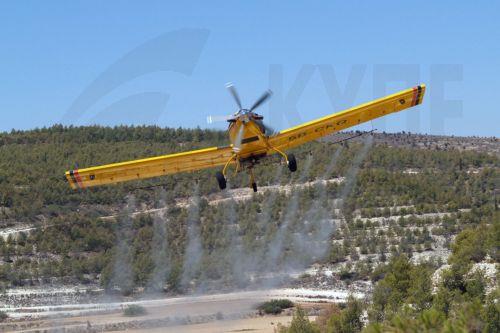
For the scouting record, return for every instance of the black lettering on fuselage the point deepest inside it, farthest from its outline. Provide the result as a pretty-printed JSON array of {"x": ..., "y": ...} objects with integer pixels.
[
  {"x": 297, "y": 136},
  {"x": 324, "y": 128}
]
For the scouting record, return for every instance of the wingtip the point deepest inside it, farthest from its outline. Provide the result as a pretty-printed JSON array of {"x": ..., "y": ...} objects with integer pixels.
[
  {"x": 420, "y": 94},
  {"x": 69, "y": 180}
]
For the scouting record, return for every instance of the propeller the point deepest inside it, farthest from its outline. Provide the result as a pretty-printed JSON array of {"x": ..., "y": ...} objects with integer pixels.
[{"x": 234, "y": 93}]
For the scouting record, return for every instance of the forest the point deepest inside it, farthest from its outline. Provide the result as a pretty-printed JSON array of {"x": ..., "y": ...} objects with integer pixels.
[{"x": 369, "y": 209}]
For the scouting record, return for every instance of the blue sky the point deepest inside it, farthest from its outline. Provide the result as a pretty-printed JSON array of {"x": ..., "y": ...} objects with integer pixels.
[{"x": 84, "y": 62}]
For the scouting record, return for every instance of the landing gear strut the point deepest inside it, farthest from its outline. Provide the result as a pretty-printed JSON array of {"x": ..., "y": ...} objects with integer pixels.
[
  {"x": 221, "y": 180},
  {"x": 289, "y": 159},
  {"x": 253, "y": 184}
]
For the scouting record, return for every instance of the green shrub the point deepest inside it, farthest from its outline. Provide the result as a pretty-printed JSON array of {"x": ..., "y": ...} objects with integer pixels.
[
  {"x": 300, "y": 324},
  {"x": 275, "y": 306},
  {"x": 134, "y": 310},
  {"x": 349, "y": 319}
]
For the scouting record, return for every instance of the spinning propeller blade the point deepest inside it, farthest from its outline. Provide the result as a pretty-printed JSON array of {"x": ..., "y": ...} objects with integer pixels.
[
  {"x": 215, "y": 119},
  {"x": 261, "y": 100},
  {"x": 232, "y": 91},
  {"x": 238, "y": 140}
]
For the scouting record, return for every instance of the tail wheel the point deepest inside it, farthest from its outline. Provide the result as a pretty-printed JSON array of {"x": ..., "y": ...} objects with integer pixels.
[
  {"x": 254, "y": 187},
  {"x": 292, "y": 162},
  {"x": 221, "y": 180}
]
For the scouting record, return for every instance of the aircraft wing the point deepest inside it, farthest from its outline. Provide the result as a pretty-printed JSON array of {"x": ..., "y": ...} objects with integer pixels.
[
  {"x": 149, "y": 167},
  {"x": 318, "y": 128}
]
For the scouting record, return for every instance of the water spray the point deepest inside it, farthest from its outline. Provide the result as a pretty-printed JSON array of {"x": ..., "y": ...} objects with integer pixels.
[
  {"x": 122, "y": 276},
  {"x": 194, "y": 251},
  {"x": 159, "y": 246}
]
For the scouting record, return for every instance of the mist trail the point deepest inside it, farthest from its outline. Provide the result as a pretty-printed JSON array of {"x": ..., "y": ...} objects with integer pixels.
[
  {"x": 317, "y": 227},
  {"x": 352, "y": 173},
  {"x": 159, "y": 246},
  {"x": 237, "y": 264},
  {"x": 246, "y": 262},
  {"x": 223, "y": 257},
  {"x": 333, "y": 163},
  {"x": 236, "y": 256},
  {"x": 194, "y": 251},
  {"x": 312, "y": 241},
  {"x": 122, "y": 275},
  {"x": 253, "y": 261},
  {"x": 275, "y": 246}
]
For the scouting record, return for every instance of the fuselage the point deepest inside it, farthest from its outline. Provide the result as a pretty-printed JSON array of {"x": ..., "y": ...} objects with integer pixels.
[{"x": 247, "y": 135}]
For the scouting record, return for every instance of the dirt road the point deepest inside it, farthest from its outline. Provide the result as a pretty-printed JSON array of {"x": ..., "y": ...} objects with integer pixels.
[{"x": 230, "y": 312}]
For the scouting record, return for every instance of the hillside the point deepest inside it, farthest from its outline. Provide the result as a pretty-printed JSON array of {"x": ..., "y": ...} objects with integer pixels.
[{"x": 354, "y": 213}]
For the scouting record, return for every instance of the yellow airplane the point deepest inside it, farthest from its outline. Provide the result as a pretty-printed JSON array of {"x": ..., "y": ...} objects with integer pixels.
[{"x": 251, "y": 141}]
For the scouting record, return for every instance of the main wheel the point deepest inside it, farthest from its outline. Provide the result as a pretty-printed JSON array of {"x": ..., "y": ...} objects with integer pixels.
[
  {"x": 254, "y": 186},
  {"x": 221, "y": 180},
  {"x": 292, "y": 162}
]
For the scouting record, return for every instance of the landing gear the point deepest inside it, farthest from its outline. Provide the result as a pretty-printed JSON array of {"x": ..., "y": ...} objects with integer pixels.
[
  {"x": 292, "y": 162},
  {"x": 221, "y": 175},
  {"x": 249, "y": 163},
  {"x": 253, "y": 184},
  {"x": 221, "y": 180},
  {"x": 289, "y": 158}
]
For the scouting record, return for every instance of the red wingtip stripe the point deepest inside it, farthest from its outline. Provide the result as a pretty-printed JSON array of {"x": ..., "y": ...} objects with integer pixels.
[
  {"x": 73, "y": 179},
  {"x": 419, "y": 95},
  {"x": 414, "y": 98},
  {"x": 78, "y": 179}
]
